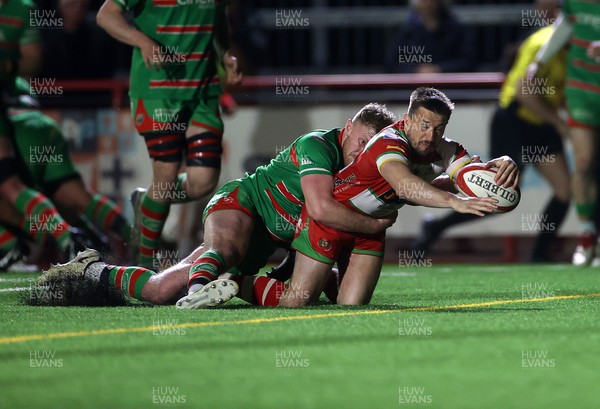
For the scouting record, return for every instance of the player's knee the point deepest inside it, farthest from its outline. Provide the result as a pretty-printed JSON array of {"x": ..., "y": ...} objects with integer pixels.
[
  {"x": 352, "y": 299},
  {"x": 200, "y": 187},
  {"x": 563, "y": 192},
  {"x": 584, "y": 162}
]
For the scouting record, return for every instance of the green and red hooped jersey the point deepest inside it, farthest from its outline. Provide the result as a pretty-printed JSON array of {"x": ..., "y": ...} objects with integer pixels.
[
  {"x": 184, "y": 30},
  {"x": 360, "y": 185},
  {"x": 15, "y": 30},
  {"x": 277, "y": 185},
  {"x": 583, "y": 72}
]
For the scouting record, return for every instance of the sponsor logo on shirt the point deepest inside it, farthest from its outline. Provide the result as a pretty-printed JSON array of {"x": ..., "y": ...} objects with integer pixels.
[{"x": 349, "y": 179}]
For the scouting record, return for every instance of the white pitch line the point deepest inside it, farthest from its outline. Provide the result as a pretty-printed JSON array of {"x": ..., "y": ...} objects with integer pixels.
[
  {"x": 15, "y": 280},
  {"x": 399, "y": 274},
  {"x": 4, "y": 290}
]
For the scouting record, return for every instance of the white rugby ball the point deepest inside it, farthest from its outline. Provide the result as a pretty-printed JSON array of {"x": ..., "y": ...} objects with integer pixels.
[{"x": 476, "y": 181}]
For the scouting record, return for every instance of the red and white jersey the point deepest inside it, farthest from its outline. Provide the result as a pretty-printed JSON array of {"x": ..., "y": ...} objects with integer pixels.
[{"x": 360, "y": 186}]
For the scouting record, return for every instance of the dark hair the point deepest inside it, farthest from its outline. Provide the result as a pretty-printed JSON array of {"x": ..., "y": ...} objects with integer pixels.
[
  {"x": 431, "y": 99},
  {"x": 375, "y": 115}
]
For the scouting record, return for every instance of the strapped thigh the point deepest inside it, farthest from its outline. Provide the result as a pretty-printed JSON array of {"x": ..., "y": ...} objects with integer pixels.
[
  {"x": 204, "y": 149},
  {"x": 165, "y": 148}
]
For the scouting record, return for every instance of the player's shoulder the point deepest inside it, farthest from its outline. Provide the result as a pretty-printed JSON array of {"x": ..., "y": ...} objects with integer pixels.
[
  {"x": 391, "y": 136},
  {"x": 23, "y": 3},
  {"x": 34, "y": 117},
  {"x": 451, "y": 149},
  {"x": 448, "y": 143},
  {"x": 16, "y": 7},
  {"x": 390, "y": 132},
  {"x": 318, "y": 136}
]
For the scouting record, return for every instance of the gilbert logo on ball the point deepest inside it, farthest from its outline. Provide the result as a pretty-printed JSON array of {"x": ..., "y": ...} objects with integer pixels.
[{"x": 476, "y": 181}]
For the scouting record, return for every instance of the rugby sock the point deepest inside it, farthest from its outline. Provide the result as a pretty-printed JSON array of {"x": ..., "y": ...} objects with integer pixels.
[
  {"x": 554, "y": 214},
  {"x": 104, "y": 212},
  {"x": 41, "y": 218},
  {"x": 181, "y": 194},
  {"x": 7, "y": 239},
  {"x": 154, "y": 215},
  {"x": 586, "y": 211},
  {"x": 205, "y": 269},
  {"x": 128, "y": 280},
  {"x": 262, "y": 291}
]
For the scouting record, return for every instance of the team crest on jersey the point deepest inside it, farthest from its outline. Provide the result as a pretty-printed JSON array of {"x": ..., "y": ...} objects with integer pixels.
[
  {"x": 324, "y": 244},
  {"x": 139, "y": 119}
]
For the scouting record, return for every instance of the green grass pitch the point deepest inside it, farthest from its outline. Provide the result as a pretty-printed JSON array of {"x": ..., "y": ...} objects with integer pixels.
[{"x": 493, "y": 337}]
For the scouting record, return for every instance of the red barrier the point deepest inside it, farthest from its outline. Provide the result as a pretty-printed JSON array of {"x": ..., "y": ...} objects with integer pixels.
[{"x": 119, "y": 88}]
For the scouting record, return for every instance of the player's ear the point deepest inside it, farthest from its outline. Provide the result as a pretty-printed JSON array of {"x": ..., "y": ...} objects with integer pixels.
[{"x": 348, "y": 126}]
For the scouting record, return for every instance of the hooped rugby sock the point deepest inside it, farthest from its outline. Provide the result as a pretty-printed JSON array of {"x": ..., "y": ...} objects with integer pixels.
[
  {"x": 205, "y": 269},
  {"x": 7, "y": 239},
  {"x": 262, "y": 291},
  {"x": 180, "y": 192},
  {"x": 585, "y": 212},
  {"x": 128, "y": 280},
  {"x": 154, "y": 215},
  {"x": 104, "y": 212},
  {"x": 554, "y": 214},
  {"x": 41, "y": 218}
]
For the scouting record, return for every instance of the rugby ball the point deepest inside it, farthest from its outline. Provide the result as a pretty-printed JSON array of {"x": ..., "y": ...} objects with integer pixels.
[{"x": 476, "y": 181}]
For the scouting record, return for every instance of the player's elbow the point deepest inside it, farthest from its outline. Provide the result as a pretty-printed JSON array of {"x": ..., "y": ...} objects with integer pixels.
[
  {"x": 317, "y": 210},
  {"x": 100, "y": 18},
  {"x": 103, "y": 17}
]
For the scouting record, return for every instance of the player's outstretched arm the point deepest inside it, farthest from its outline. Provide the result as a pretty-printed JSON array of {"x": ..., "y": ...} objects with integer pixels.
[
  {"x": 414, "y": 189},
  {"x": 560, "y": 36},
  {"x": 323, "y": 208},
  {"x": 110, "y": 18}
]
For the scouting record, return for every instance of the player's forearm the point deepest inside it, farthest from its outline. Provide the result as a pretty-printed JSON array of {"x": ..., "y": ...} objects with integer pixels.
[
  {"x": 560, "y": 36},
  {"x": 31, "y": 60},
  {"x": 333, "y": 214},
  {"x": 417, "y": 191},
  {"x": 538, "y": 105},
  {"x": 111, "y": 19}
]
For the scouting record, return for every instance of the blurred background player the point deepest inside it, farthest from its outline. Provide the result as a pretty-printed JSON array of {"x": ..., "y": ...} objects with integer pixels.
[
  {"x": 20, "y": 53},
  {"x": 528, "y": 127},
  {"x": 174, "y": 91},
  {"x": 45, "y": 165},
  {"x": 579, "y": 26}
]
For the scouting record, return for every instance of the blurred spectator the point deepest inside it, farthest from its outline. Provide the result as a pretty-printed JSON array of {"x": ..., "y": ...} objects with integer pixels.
[
  {"x": 79, "y": 49},
  {"x": 249, "y": 40},
  {"x": 432, "y": 40}
]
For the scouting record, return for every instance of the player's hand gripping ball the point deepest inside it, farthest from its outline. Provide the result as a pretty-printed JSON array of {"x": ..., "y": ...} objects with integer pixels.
[{"x": 476, "y": 181}]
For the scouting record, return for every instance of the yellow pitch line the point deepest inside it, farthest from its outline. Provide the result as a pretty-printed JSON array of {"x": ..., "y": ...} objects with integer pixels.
[{"x": 25, "y": 338}]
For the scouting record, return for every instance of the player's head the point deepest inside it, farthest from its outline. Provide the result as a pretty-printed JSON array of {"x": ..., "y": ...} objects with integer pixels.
[
  {"x": 359, "y": 130},
  {"x": 428, "y": 114}
]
